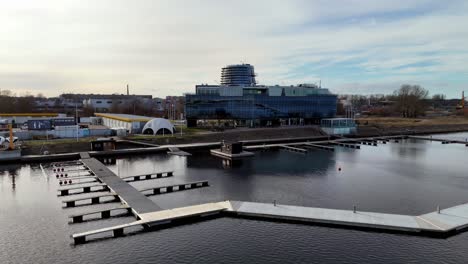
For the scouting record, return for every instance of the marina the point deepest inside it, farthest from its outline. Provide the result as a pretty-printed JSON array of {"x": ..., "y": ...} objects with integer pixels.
[{"x": 119, "y": 206}]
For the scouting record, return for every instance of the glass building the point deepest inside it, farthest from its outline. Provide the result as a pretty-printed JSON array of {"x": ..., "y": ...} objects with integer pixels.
[{"x": 260, "y": 105}]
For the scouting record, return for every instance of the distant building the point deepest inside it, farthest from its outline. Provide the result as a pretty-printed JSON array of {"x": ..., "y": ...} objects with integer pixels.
[
  {"x": 174, "y": 107},
  {"x": 112, "y": 102},
  {"x": 251, "y": 104},
  {"x": 18, "y": 119}
]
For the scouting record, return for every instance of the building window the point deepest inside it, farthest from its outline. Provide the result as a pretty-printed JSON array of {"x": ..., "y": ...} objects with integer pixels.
[
  {"x": 98, "y": 102},
  {"x": 109, "y": 102}
]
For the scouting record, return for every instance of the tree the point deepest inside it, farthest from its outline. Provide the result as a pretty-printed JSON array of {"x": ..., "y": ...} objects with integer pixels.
[
  {"x": 438, "y": 97},
  {"x": 410, "y": 100}
]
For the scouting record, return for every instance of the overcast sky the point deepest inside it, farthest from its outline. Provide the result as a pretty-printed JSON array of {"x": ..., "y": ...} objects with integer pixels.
[{"x": 167, "y": 47}]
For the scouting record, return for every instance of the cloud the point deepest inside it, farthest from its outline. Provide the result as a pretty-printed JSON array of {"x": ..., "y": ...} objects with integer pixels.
[{"x": 166, "y": 47}]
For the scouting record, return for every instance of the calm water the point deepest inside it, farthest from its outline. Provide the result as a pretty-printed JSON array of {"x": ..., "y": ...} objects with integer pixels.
[{"x": 411, "y": 177}]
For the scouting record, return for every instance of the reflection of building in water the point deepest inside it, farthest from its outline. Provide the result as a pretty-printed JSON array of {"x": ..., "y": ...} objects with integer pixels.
[
  {"x": 338, "y": 126},
  {"x": 410, "y": 148},
  {"x": 108, "y": 161},
  {"x": 11, "y": 171},
  {"x": 269, "y": 162},
  {"x": 228, "y": 163}
]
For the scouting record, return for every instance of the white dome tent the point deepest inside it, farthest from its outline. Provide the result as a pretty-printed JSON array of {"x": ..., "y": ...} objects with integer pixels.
[{"x": 158, "y": 126}]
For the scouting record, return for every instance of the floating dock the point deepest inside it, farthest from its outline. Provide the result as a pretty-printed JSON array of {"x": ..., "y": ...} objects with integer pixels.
[
  {"x": 176, "y": 151},
  {"x": 443, "y": 141},
  {"x": 441, "y": 223},
  {"x": 219, "y": 153},
  {"x": 127, "y": 194}
]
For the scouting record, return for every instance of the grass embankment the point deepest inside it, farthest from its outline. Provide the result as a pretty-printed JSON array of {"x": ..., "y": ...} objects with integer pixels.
[
  {"x": 33, "y": 143},
  {"x": 186, "y": 132},
  {"x": 412, "y": 122}
]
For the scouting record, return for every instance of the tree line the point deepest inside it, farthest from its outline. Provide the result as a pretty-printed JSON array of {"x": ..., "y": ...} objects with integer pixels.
[
  {"x": 408, "y": 101},
  {"x": 10, "y": 103}
]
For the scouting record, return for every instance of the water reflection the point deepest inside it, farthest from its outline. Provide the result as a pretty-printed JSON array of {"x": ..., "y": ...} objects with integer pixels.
[
  {"x": 412, "y": 148},
  {"x": 268, "y": 162},
  {"x": 11, "y": 171}
]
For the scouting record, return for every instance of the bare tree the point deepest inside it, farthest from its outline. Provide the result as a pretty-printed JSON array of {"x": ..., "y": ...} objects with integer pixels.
[
  {"x": 438, "y": 97},
  {"x": 410, "y": 100}
]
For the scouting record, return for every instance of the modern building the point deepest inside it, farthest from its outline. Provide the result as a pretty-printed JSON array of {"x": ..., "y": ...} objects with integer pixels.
[
  {"x": 132, "y": 123},
  {"x": 238, "y": 75},
  {"x": 239, "y": 99}
]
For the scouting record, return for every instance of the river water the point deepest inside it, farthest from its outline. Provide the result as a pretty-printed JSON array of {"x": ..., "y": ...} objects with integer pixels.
[{"x": 409, "y": 177}]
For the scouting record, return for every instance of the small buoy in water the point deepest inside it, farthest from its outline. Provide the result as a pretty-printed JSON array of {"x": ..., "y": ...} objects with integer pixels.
[
  {"x": 339, "y": 169},
  {"x": 55, "y": 170},
  {"x": 69, "y": 181},
  {"x": 66, "y": 175},
  {"x": 63, "y": 169},
  {"x": 56, "y": 176},
  {"x": 60, "y": 182}
]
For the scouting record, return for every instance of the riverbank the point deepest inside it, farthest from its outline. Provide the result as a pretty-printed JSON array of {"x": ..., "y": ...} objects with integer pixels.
[
  {"x": 387, "y": 126},
  {"x": 367, "y": 128}
]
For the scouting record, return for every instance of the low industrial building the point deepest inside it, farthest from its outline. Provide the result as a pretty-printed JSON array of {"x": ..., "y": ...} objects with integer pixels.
[
  {"x": 338, "y": 126},
  {"x": 132, "y": 123},
  {"x": 21, "y": 118}
]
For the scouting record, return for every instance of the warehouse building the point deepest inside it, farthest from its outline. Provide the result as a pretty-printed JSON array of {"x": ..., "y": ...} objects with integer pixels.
[{"x": 132, "y": 123}]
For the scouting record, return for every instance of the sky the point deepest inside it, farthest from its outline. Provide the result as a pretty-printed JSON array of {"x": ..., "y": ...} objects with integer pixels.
[{"x": 166, "y": 47}]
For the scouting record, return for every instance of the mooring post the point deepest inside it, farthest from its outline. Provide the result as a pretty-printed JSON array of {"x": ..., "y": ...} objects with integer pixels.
[
  {"x": 438, "y": 209},
  {"x": 354, "y": 209},
  {"x": 274, "y": 202}
]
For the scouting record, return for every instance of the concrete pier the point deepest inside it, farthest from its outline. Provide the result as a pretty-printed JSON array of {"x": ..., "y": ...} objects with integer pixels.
[
  {"x": 438, "y": 224},
  {"x": 126, "y": 193},
  {"x": 149, "y": 176},
  {"x": 157, "y": 218},
  {"x": 96, "y": 199},
  {"x": 294, "y": 149},
  {"x": 102, "y": 214},
  {"x": 443, "y": 141},
  {"x": 176, "y": 151},
  {"x": 353, "y": 146},
  {"x": 230, "y": 156},
  {"x": 83, "y": 189},
  {"x": 319, "y": 146}
]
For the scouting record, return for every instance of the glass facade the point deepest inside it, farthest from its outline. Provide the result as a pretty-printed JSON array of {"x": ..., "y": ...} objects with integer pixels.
[{"x": 262, "y": 107}]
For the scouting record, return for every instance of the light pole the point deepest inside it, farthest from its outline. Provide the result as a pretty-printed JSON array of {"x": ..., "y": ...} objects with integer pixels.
[{"x": 76, "y": 118}]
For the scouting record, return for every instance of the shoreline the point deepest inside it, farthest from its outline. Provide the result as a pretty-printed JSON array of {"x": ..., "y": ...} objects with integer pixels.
[{"x": 70, "y": 151}]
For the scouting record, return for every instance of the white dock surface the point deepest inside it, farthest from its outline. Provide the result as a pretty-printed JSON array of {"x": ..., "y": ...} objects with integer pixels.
[{"x": 449, "y": 219}]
